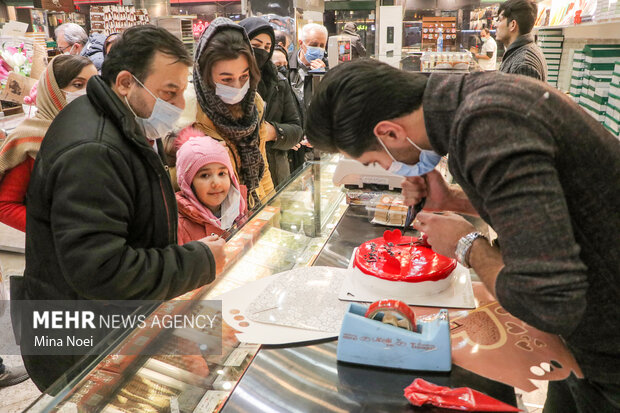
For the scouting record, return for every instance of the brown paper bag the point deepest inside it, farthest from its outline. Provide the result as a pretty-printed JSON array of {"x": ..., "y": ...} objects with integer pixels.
[
  {"x": 39, "y": 61},
  {"x": 17, "y": 87}
]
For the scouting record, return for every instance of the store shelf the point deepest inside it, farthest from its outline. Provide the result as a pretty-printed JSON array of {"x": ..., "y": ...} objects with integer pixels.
[{"x": 602, "y": 30}]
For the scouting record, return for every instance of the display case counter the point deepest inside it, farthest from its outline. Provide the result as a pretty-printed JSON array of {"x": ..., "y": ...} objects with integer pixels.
[
  {"x": 306, "y": 223},
  {"x": 287, "y": 232}
]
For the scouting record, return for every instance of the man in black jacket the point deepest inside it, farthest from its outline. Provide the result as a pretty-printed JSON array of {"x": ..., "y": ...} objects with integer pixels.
[
  {"x": 357, "y": 48},
  {"x": 282, "y": 118},
  {"x": 530, "y": 162},
  {"x": 522, "y": 56},
  {"x": 102, "y": 216}
]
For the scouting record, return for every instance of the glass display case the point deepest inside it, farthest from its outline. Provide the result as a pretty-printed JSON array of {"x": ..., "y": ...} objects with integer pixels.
[{"x": 287, "y": 232}]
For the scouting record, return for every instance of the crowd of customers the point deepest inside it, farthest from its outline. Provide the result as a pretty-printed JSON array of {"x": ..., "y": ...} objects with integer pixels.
[{"x": 168, "y": 194}]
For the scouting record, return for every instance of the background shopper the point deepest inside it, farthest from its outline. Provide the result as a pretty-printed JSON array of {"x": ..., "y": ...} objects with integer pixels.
[
  {"x": 514, "y": 27},
  {"x": 63, "y": 81},
  {"x": 282, "y": 119},
  {"x": 487, "y": 58},
  {"x": 72, "y": 39}
]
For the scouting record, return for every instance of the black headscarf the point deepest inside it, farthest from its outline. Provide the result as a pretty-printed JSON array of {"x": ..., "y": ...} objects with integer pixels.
[{"x": 269, "y": 73}]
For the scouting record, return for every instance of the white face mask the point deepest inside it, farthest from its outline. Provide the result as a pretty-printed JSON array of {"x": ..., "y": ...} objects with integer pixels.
[
  {"x": 71, "y": 96},
  {"x": 232, "y": 95},
  {"x": 70, "y": 50},
  {"x": 162, "y": 119},
  {"x": 230, "y": 208}
]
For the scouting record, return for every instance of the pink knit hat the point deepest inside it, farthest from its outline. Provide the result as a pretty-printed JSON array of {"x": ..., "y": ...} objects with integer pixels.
[{"x": 195, "y": 153}]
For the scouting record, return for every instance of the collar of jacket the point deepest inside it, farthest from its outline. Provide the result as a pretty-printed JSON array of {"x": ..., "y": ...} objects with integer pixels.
[
  {"x": 519, "y": 42},
  {"x": 293, "y": 63},
  {"x": 441, "y": 99},
  {"x": 107, "y": 102}
]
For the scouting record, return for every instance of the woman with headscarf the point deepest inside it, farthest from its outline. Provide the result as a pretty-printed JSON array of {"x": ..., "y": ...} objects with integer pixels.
[
  {"x": 230, "y": 110},
  {"x": 284, "y": 128},
  {"x": 63, "y": 81}
]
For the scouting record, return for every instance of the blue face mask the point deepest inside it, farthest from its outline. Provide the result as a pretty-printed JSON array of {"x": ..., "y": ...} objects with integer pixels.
[
  {"x": 291, "y": 48},
  {"x": 428, "y": 162},
  {"x": 314, "y": 53}
]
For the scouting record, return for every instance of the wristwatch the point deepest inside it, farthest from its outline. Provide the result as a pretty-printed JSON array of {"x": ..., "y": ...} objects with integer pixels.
[{"x": 463, "y": 247}]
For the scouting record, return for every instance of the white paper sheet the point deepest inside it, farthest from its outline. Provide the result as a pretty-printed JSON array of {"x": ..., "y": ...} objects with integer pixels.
[
  {"x": 235, "y": 312},
  {"x": 306, "y": 297}
]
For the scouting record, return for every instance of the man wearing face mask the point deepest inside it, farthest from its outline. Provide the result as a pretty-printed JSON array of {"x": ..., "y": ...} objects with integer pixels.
[
  {"x": 102, "y": 217},
  {"x": 531, "y": 163},
  {"x": 282, "y": 120},
  {"x": 72, "y": 39},
  {"x": 487, "y": 58},
  {"x": 310, "y": 56}
]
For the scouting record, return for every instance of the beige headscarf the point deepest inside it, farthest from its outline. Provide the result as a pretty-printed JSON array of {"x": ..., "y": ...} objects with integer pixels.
[{"x": 26, "y": 139}]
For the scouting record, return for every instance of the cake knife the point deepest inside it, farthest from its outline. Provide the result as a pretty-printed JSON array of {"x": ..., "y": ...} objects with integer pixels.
[{"x": 412, "y": 212}]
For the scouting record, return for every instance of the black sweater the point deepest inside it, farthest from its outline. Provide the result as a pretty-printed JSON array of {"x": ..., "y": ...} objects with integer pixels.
[
  {"x": 546, "y": 176},
  {"x": 101, "y": 212}
]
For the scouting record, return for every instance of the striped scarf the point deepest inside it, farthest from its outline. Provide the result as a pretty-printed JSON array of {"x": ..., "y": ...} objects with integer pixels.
[{"x": 26, "y": 139}]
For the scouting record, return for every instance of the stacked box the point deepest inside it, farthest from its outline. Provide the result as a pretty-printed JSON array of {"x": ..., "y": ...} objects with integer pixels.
[
  {"x": 551, "y": 41},
  {"x": 576, "y": 77},
  {"x": 601, "y": 12},
  {"x": 612, "y": 115},
  {"x": 599, "y": 64},
  {"x": 115, "y": 19}
]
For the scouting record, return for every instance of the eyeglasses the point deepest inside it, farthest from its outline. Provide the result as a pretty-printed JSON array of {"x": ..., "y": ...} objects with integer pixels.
[{"x": 62, "y": 49}]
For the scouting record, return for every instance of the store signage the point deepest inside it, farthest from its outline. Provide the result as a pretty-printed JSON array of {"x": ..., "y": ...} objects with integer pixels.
[
  {"x": 55, "y": 5},
  {"x": 198, "y": 27},
  {"x": 180, "y": 2},
  {"x": 78, "y": 2}
]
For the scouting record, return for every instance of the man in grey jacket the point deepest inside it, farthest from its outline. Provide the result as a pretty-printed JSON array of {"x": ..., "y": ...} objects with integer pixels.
[
  {"x": 530, "y": 162},
  {"x": 522, "y": 56}
]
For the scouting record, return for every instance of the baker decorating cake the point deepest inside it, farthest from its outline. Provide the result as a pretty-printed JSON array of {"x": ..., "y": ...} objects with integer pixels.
[{"x": 404, "y": 264}]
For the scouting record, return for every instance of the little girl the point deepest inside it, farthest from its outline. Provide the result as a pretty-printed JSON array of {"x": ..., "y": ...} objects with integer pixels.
[{"x": 211, "y": 199}]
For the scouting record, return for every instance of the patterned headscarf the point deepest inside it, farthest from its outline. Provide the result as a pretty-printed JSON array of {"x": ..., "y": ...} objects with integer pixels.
[{"x": 240, "y": 133}]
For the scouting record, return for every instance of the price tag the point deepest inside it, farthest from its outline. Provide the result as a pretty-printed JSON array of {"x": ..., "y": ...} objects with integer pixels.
[
  {"x": 210, "y": 401},
  {"x": 236, "y": 358}
]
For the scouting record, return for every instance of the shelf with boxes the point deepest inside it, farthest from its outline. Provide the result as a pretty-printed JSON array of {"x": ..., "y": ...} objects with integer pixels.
[
  {"x": 115, "y": 19},
  {"x": 595, "y": 83},
  {"x": 181, "y": 27},
  {"x": 551, "y": 42},
  {"x": 439, "y": 30}
]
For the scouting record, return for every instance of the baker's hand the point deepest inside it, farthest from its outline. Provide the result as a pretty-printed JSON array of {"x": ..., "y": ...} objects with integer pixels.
[
  {"x": 316, "y": 64},
  {"x": 216, "y": 245},
  {"x": 432, "y": 186},
  {"x": 443, "y": 231}
]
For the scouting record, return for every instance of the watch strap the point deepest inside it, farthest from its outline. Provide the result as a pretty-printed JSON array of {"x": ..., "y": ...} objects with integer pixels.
[{"x": 463, "y": 247}]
